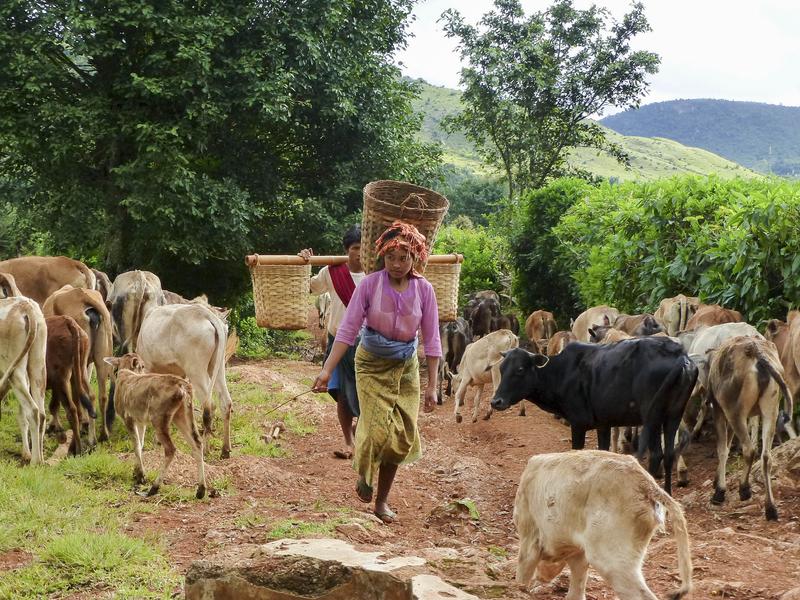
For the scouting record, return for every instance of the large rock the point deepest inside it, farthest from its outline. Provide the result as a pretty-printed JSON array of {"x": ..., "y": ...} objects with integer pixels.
[{"x": 319, "y": 569}]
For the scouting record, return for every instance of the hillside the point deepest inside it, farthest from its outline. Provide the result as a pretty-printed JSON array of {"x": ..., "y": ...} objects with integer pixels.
[
  {"x": 763, "y": 137},
  {"x": 650, "y": 158}
]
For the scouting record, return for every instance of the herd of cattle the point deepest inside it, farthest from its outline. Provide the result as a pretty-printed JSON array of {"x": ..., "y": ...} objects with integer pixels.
[
  {"x": 651, "y": 376},
  {"x": 59, "y": 320}
]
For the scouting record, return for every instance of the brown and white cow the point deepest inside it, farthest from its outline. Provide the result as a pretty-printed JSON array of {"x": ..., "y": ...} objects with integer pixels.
[
  {"x": 713, "y": 314},
  {"x": 8, "y": 286},
  {"x": 745, "y": 380},
  {"x": 159, "y": 400},
  {"x": 596, "y": 508},
  {"x": 597, "y": 315},
  {"x": 189, "y": 340},
  {"x": 38, "y": 277},
  {"x": 540, "y": 325},
  {"x": 559, "y": 341},
  {"x": 89, "y": 311},
  {"x": 67, "y": 352},
  {"x": 23, "y": 345},
  {"x": 133, "y": 294},
  {"x": 479, "y": 367},
  {"x": 674, "y": 313}
]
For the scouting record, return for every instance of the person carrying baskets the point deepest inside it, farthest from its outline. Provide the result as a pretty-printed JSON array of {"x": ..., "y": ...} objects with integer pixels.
[
  {"x": 389, "y": 307},
  {"x": 340, "y": 281}
]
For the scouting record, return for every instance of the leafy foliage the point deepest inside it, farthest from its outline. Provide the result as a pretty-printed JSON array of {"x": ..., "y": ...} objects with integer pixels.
[
  {"x": 177, "y": 137},
  {"x": 541, "y": 273},
  {"x": 470, "y": 195},
  {"x": 764, "y": 137},
  {"x": 485, "y": 266},
  {"x": 532, "y": 82},
  {"x": 731, "y": 242}
]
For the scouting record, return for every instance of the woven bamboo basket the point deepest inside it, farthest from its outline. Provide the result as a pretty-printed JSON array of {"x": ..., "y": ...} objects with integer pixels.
[
  {"x": 387, "y": 201},
  {"x": 444, "y": 278},
  {"x": 280, "y": 295}
]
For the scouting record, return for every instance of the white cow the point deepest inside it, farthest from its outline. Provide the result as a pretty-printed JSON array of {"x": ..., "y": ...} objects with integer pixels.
[
  {"x": 590, "y": 507},
  {"x": 23, "y": 344},
  {"x": 189, "y": 340},
  {"x": 132, "y": 295},
  {"x": 480, "y": 366}
]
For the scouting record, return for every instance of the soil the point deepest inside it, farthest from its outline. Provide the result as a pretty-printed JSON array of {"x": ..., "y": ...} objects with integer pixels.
[{"x": 737, "y": 554}]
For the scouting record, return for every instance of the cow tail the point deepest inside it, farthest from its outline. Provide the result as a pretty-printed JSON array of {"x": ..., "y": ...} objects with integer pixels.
[
  {"x": 681, "y": 535},
  {"x": 32, "y": 327},
  {"x": 787, "y": 395},
  {"x": 683, "y": 314},
  {"x": 217, "y": 362},
  {"x": 80, "y": 390}
]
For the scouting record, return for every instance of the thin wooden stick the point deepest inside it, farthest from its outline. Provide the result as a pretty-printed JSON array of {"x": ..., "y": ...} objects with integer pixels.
[{"x": 252, "y": 260}]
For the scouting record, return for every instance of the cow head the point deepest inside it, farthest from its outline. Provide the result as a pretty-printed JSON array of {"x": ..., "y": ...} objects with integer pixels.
[
  {"x": 8, "y": 286},
  {"x": 648, "y": 326},
  {"x": 518, "y": 374},
  {"x": 131, "y": 362}
]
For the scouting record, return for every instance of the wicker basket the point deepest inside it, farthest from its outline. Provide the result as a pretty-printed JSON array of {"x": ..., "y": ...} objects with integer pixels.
[
  {"x": 280, "y": 295},
  {"x": 387, "y": 201},
  {"x": 444, "y": 279}
]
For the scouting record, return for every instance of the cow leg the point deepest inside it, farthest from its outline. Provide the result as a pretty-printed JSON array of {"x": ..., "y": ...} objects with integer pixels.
[
  {"x": 55, "y": 424},
  {"x": 477, "y": 407},
  {"x": 578, "y": 574},
  {"x": 161, "y": 430},
  {"x": 102, "y": 370},
  {"x": 578, "y": 437},
  {"x": 31, "y": 419},
  {"x": 615, "y": 439},
  {"x": 683, "y": 470},
  {"x": 184, "y": 421},
  {"x": 603, "y": 438},
  {"x": 528, "y": 559},
  {"x": 522, "y": 408},
  {"x": 75, "y": 424},
  {"x": 621, "y": 567},
  {"x": 459, "y": 398},
  {"x": 768, "y": 421},
  {"x": 24, "y": 429},
  {"x": 670, "y": 433},
  {"x": 225, "y": 408},
  {"x": 137, "y": 438},
  {"x": 724, "y": 438}
]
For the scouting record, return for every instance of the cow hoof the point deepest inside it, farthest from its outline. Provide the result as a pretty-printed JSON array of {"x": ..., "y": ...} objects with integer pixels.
[
  {"x": 213, "y": 493},
  {"x": 718, "y": 497},
  {"x": 486, "y": 417},
  {"x": 201, "y": 492},
  {"x": 225, "y": 453},
  {"x": 459, "y": 418},
  {"x": 745, "y": 493},
  {"x": 683, "y": 481},
  {"x": 53, "y": 428},
  {"x": 771, "y": 513},
  {"x": 103, "y": 437},
  {"x": 153, "y": 490},
  {"x": 61, "y": 436}
]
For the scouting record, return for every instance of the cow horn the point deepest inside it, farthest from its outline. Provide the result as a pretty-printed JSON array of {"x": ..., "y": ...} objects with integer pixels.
[{"x": 544, "y": 364}]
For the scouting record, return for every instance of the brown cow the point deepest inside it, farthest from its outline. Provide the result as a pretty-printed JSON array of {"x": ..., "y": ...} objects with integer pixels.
[
  {"x": 156, "y": 399},
  {"x": 590, "y": 507},
  {"x": 67, "y": 349},
  {"x": 597, "y": 315},
  {"x": 23, "y": 344},
  {"x": 675, "y": 312},
  {"x": 90, "y": 312},
  {"x": 745, "y": 379},
  {"x": 638, "y": 325},
  {"x": 39, "y": 276},
  {"x": 540, "y": 325},
  {"x": 559, "y": 341},
  {"x": 713, "y": 314}
]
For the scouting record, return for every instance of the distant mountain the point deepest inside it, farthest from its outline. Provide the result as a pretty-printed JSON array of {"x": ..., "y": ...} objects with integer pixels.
[
  {"x": 763, "y": 137},
  {"x": 650, "y": 158}
]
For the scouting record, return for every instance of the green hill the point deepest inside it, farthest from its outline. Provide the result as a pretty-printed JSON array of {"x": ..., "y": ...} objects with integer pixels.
[
  {"x": 764, "y": 137},
  {"x": 651, "y": 158}
]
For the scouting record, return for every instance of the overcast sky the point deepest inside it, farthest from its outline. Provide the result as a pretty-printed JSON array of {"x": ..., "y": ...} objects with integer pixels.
[{"x": 726, "y": 49}]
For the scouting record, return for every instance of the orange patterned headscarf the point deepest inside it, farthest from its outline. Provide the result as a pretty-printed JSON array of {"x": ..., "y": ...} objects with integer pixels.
[{"x": 405, "y": 236}]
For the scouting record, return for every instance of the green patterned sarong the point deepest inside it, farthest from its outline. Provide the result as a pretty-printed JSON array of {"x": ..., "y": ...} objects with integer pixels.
[{"x": 388, "y": 392}]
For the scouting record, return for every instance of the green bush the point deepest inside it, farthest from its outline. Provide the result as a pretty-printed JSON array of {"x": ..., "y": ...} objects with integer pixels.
[
  {"x": 730, "y": 242},
  {"x": 485, "y": 266}
]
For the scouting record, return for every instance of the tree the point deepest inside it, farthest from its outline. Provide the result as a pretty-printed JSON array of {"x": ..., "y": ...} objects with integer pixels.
[
  {"x": 178, "y": 136},
  {"x": 532, "y": 83}
]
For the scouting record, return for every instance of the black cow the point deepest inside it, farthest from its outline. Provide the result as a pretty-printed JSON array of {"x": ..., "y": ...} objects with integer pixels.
[
  {"x": 482, "y": 315},
  {"x": 455, "y": 336},
  {"x": 643, "y": 381}
]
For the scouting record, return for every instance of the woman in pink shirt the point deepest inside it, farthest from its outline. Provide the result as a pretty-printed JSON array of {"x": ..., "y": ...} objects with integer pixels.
[{"x": 389, "y": 307}]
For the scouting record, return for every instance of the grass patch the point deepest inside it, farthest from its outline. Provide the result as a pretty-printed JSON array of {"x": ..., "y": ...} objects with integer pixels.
[
  {"x": 295, "y": 528},
  {"x": 498, "y": 551},
  {"x": 469, "y": 504},
  {"x": 249, "y": 519}
]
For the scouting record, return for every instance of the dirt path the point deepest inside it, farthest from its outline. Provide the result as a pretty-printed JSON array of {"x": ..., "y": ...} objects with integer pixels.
[{"x": 736, "y": 553}]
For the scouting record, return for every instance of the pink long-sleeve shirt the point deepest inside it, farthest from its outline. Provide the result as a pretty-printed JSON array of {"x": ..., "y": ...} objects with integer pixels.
[{"x": 396, "y": 315}]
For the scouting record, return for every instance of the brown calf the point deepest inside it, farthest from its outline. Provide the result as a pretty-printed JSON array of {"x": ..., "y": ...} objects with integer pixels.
[
  {"x": 159, "y": 400},
  {"x": 559, "y": 341},
  {"x": 67, "y": 348},
  {"x": 713, "y": 314},
  {"x": 745, "y": 380},
  {"x": 540, "y": 324}
]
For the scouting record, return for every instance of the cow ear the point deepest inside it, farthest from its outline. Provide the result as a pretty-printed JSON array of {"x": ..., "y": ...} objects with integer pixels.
[
  {"x": 606, "y": 320},
  {"x": 540, "y": 360},
  {"x": 503, "y": 353},
  {"x": 111, "y": 360}
]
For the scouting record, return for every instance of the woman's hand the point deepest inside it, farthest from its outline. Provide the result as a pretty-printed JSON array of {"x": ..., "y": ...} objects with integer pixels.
[
  {"x": 430, "y": 399},
  {"x": 306, "y": 254},
  {"x": 321, "y": 382}
]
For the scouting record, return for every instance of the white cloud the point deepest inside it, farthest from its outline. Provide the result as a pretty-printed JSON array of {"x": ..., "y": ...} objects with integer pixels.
[{"x": 729, "y": 49}]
